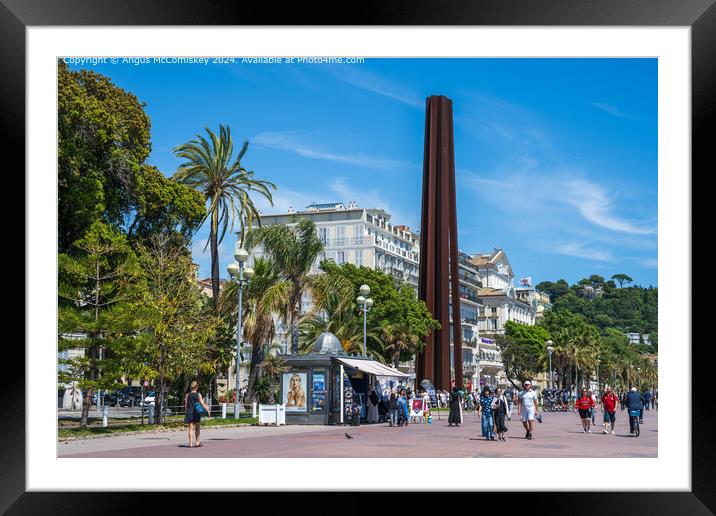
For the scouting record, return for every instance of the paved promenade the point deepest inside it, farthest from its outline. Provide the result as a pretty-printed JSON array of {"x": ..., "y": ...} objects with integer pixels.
[{"x": 559, "y": 435}]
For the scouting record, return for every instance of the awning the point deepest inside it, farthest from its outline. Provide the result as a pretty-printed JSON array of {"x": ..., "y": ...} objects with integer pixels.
[{"x": 372, "y": 367}]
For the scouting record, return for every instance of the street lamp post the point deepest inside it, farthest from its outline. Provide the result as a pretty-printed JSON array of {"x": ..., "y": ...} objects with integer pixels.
[
  {"x": 366, "y": 303},
  {"x": 238, "y": 271},
  {"x": 549, "y": 354}
]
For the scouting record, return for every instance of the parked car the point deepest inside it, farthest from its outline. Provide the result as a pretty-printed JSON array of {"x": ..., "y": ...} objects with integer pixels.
[{"x": 149, "y": 402}]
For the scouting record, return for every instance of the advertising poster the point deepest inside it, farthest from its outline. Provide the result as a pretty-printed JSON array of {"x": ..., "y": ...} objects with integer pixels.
[
  {"x": 294, "y": 388},
  {"x": 318, "y": 392}
]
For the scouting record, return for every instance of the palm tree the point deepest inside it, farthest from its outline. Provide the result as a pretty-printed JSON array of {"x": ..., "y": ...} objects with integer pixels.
[
  {"x": 293, "y": 251},
  {"x": 336, "y": 312},
  {"x": 211, "y": 169},
  {"x": 399, "y": 339},
  {"x": 272, "y": 366},
  {"x": 264, "y": 296}
]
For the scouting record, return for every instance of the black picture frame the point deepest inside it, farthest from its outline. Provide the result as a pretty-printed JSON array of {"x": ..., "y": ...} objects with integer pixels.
[{"x": 700, "y": 15}]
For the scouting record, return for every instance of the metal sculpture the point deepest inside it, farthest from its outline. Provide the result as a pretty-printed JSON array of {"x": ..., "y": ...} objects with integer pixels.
[{"x": 438, "y": 247}]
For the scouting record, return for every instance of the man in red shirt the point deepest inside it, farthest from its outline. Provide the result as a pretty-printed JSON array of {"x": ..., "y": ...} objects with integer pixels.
[{"x": 609, "y": 407}]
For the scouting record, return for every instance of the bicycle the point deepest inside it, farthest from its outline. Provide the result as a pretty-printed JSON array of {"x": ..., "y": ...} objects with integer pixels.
[{"x": 634, "y": 421}]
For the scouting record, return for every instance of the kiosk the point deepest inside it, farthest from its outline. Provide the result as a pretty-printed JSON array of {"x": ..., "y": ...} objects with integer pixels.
[{"x": 326, "y": 385}]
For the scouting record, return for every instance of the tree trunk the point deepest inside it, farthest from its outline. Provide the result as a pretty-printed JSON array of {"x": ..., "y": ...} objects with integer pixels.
[
  {"x": 86, "y": 402},
  {"x": 213, "y": 244},
  {"x": 295, "y": 315}
]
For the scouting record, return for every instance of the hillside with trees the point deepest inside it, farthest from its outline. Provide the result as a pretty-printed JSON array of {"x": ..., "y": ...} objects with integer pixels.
[{"x": 609, "y": 304}]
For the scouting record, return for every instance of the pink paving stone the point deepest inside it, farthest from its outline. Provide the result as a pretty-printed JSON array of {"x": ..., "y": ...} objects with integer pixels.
[{"x": 559, "y": 435}]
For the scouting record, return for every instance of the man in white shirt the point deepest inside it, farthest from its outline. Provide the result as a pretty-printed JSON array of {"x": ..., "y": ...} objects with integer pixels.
[{"x": 527, "y": 408}]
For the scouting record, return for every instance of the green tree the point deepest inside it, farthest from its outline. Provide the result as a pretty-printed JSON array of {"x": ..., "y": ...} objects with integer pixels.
[
  {"x": 622, "y": 279},
  {"x": 521, "y": 348},
  {"x": 210, "y": 167},
  {"x": 103, "y": 138},
  {"x": 164, "y": 205},
  {"x": 100, "y": 292},
  {"x": 574, "y": 343},
  {"x": 394, "y": 306},
  {"x": 555, "y": 290},
  {"x": 292, "y": 250},
  {"x": 178, "y": 330}
]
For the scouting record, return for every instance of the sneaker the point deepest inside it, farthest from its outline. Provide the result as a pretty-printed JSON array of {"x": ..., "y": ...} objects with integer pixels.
[
  {"x": 604, "y": 431},
  {"x": 529, "y": 436},
  {"x": 584, "y": 430},
  {"x": 612, "y": 432},
  {"x": 589, "y": 430}
]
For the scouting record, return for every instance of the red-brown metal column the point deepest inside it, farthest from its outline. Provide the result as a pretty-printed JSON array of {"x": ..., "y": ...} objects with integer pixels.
[
  {"x": 455, "y": 281},
  {"x": 438, "y": 246}
]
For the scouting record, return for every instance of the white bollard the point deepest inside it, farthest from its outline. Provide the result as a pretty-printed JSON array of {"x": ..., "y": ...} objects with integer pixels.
[
  {"x": 255, "y": 413},
  {"x": 223, "y": 411},
  {"x": 105, "y": 415}
]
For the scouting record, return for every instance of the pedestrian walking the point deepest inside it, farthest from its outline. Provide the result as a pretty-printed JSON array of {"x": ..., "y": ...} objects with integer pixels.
[
  {"x": 194, "y": 407},
  {"x": 527, "y": 408},
  {"x": 485, "y": 407},
  {"x": 509, "y": 396},
  {"x": 393, "y": 409},
  {"x": 609, "y": 407},
  {"x": 593, "y": 410},
  {"x": 404, "y": 409},
  {"x": 372, "y": 406},
  {"x": 454, "y": 416},
  {"x": 584, "y": 404},
  {"x": 500, "y": 411},
  {"x": 647, "y": 399}
]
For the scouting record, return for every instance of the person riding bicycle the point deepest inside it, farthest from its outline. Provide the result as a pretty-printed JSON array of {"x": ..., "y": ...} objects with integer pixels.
[{"x": 634, "y": 402}]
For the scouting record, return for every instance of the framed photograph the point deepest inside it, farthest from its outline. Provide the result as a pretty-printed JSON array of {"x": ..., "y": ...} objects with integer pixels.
[{"x": 577, "y": 132}]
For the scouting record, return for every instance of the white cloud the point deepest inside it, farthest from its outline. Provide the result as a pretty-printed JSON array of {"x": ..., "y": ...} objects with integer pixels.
[
  {"x": 527, "y": 189},
  {"x": 580, "y": 250},
  {"x": 612, "y": 110},
  {"x": 377, "y": 84},
  {"x": 299, "y": 143},
  {"x": 595, "y": 205}
]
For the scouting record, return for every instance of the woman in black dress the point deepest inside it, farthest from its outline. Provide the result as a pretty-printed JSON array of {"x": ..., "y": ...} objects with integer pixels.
[
  {"x": 193, "y": 417},
  {"x": 500, "y": 410},
  {"x": 454, "y": 415}
]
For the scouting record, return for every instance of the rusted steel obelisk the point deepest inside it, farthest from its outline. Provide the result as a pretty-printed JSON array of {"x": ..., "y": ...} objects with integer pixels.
[{"x": 438, "y": 247}]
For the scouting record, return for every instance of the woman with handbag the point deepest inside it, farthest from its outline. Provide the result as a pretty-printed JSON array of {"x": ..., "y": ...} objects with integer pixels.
[{"x": 195, "y": 408}]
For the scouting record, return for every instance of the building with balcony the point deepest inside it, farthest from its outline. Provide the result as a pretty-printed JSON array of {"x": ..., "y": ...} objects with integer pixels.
[
  {"x": 539, "y": 301},
  {"x": 499, "y": 299},
  {"x": 361, "y": 236}
]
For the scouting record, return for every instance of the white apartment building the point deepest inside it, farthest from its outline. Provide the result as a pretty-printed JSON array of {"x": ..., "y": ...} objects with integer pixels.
[
  {"x": 636, "y": 338},
  {"x": 361, "y": 236}
]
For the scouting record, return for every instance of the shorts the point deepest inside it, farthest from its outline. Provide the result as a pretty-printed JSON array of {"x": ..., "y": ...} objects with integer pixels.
[
  {"x": 610, "y": 417},
  {"x": 528, "y": 414},
  {"x": 585, "y": 413}
]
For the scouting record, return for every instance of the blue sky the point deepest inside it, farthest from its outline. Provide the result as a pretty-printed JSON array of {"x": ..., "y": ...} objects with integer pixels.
[{"x": 556, "y": 159}]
